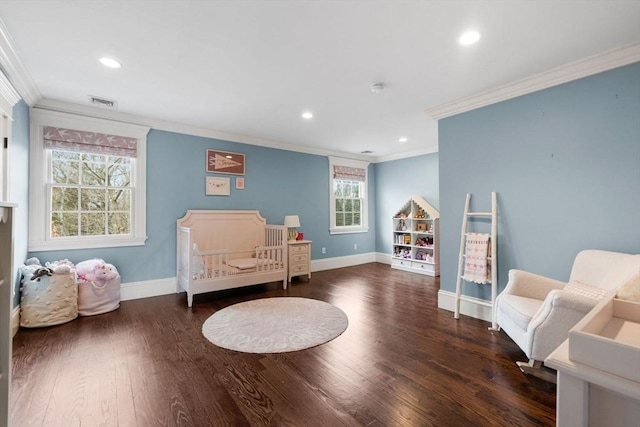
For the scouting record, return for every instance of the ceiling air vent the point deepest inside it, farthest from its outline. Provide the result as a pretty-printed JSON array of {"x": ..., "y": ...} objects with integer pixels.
[{"x": 103, "y": 102}]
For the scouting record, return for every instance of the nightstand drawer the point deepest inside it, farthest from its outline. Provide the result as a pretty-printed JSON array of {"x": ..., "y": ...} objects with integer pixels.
[
  {"x": 299, "y": 258},
  {"x": 299, "y": 268},
  {"x": 297, "y": 249}
]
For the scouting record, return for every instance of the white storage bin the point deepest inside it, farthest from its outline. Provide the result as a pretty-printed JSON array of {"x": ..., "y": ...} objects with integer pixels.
[
  {"x": 98, "y": 287},
  {"x": 47, "y": 300}
]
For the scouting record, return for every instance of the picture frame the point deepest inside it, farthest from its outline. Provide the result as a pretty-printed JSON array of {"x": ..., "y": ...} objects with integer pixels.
[
  {"x": 421, "y": 226},
  {"x": 225, "y": 162},
  {"x": 217, "y": 186},
  {"x": 239, "y": 183}
]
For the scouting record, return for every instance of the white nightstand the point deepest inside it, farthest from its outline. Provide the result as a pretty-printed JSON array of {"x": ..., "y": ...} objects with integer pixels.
[{"x": 299, "y": 258}]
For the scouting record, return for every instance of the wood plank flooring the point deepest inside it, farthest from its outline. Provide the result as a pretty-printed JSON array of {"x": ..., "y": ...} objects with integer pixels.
[{"x": 401, "y": 362}]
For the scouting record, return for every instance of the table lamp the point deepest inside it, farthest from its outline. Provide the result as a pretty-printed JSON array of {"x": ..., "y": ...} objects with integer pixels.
[{"x": 292, "y": 222}]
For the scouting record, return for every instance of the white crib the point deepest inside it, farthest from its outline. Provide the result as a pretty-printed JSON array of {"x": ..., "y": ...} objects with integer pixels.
[{"x": 224, "y": 249}]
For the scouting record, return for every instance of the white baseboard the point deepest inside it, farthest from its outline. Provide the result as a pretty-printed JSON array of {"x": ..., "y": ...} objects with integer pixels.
[
  {"x": 166, "y": 286},
  {"x": 147, "y": 289},
  {"x": 15, "y": 321},
  {"x": 343, "y": 261},
  {"x": 383, "y": 258},
  {"x": 469, "y": 306}
]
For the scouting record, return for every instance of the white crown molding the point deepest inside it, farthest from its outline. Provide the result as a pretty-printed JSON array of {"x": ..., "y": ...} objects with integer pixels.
[
  {"x": 8, "y": 96},
  {"x": 7, "y": 91},
  {"x": 16, "y": 71},
  {"x": 102, "y": 113},
  {"x": 572, "y": 71},
  {"x": 406, "y": 154}
]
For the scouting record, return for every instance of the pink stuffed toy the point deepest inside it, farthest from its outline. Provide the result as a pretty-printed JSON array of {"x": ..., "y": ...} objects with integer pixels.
[{"x": 95, "y": 270}]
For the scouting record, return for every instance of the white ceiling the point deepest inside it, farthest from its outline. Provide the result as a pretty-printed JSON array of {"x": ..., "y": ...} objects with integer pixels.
[{"x": 246, "y": 70}]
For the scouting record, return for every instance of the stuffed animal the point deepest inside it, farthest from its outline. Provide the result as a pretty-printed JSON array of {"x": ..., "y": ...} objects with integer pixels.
[
  {"x": 106, "y": 272},
  {"x": 60, "y": 267},
  {"x": 32, "y": 261},
  {"x": 95, "y": 270}
]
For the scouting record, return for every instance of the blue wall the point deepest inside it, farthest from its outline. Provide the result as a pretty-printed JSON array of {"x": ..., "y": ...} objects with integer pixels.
[
  {"x": 565, "y": 163},
  {"x": 396, "y": 182},
  {"x": 277, "y": 183}
]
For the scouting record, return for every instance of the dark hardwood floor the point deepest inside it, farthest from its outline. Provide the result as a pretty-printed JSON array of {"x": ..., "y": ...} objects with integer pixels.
[{"x": 401, "y": 362}]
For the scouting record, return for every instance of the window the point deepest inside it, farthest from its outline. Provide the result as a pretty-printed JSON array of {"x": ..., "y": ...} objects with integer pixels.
[
  {"x": 348, "y": 196},
  {"x": 88, "y": 189},
  {"x": 90, "y": 194}
]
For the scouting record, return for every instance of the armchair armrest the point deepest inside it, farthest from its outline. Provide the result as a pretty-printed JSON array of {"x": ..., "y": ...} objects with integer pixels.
[
  {"x": 571, "y": 301},
  {"x": 550, "y": 326},
  {"x": 530, "y": 285}
]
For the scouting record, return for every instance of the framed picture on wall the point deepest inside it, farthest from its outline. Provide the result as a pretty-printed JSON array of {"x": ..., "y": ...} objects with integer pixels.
[
  {"x": 217, "y": 186},
  {"x": 225, "y": 162},
  {"x": 239, "y": 183}
]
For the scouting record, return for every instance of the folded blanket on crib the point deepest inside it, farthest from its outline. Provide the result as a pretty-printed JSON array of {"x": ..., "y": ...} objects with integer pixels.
[
  {"x": 243, "y": 263},
  {"x": 249, "y": 263}
]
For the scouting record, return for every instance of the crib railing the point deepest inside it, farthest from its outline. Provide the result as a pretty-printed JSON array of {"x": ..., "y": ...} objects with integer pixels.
[
  {"x": 213, "y": 264},
  {"x": 195, "y": 264}
]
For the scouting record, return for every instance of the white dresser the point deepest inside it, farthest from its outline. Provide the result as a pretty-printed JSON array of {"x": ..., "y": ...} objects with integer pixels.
[{"x": 299, "y": 258}]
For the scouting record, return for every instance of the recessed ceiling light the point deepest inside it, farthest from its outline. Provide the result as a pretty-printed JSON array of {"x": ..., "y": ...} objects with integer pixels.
[
  {"x": 402, "y": 139},
  {"x": 470, "y": 37},
  {"x": 109, "y": 62},
  {"x": 307, "y": 115}
]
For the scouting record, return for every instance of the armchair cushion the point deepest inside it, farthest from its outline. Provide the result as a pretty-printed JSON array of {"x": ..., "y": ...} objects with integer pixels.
[
  {"x": 586, "y": 290},
  {"x": 520, "y": 309}
]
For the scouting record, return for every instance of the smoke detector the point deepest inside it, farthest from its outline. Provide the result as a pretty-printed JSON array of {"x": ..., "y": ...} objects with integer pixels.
[{"x": 377, "y": 87}]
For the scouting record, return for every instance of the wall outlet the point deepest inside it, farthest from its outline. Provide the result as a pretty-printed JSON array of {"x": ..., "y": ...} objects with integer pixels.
[
  {"x": 324, "y": 250},
  {"x": 355, "y": 246}
]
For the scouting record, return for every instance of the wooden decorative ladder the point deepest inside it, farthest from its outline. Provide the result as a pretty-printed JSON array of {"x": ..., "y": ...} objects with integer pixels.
[{"x": 493, "y": 259}]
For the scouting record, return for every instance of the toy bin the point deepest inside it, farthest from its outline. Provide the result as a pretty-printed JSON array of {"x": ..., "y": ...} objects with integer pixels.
[
  {"x": 98, "y": 287},
  {"x": 48, "y": 298}
]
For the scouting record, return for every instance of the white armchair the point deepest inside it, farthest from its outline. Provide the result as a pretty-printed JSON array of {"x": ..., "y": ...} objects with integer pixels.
[{"x": 537, "y": 312}]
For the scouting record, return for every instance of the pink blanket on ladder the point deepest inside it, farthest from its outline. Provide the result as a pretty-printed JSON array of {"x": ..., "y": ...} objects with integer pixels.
[{"x": 476, "y": 265}]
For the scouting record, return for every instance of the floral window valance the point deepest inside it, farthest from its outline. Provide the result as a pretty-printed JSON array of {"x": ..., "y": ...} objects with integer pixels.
[
  {"x": 349, "y": 173},
  {"x": 89, "y": 142}
]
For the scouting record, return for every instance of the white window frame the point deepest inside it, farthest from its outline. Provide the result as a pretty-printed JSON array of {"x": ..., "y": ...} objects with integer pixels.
[
  {"x": 39, "y": 171},
  {"x": 364, "y": 227}
]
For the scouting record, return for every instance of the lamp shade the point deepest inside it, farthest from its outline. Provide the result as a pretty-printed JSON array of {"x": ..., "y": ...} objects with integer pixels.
[{"x": 291, "y": 221}]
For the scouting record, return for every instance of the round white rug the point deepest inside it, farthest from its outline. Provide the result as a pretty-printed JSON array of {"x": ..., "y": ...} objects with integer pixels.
[{"x": 275, "y": 325}]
